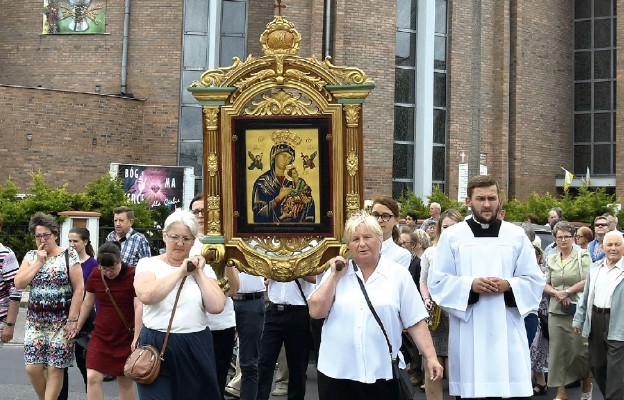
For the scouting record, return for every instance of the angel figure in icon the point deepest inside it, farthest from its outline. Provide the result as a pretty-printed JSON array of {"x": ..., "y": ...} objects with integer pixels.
[
  {"x": 256, "y": 161},
  {"x": 308, "y": 161}
]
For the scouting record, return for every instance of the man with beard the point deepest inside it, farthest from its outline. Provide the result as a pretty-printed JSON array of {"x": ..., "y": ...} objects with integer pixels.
[{"x": 486, "y": 277}]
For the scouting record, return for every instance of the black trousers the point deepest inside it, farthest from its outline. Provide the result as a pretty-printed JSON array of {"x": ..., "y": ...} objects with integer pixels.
[
  {"x": 290, "y": 327},
  {"x": 223, "y": 343},
  {"x": 341, "y": 389},
  {"x": 606, "y": 358}
]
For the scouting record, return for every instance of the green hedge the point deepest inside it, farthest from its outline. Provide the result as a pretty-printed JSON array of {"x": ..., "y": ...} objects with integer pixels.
[
  {"x": 582, "y": 207},
  {"x": 101, "y": 195}
]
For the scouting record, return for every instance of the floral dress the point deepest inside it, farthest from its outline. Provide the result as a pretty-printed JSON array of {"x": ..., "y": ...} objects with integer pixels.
[{"x": 48, "y": 307}]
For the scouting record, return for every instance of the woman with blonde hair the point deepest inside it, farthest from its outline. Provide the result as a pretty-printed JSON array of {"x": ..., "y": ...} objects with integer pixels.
[{"x": 346, "y": 298}]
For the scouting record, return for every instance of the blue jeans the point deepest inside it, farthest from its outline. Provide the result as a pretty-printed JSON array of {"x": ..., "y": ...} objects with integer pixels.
[{"x": 249, "y": 324}]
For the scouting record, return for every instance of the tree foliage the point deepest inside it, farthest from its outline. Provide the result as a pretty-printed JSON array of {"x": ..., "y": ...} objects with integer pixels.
[
  {"x": 101, "y": 195},
  {"x": 581, "y": 207},
  {"x": 410, "y": 202}
]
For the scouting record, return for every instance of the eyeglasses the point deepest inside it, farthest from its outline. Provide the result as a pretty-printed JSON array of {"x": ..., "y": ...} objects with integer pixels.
[
  {"x": 601, "y": 225},
  {"x": 44, "y": 236},
  {"x": 385, "y": 217},
  {"x": 561, "y": 238},
  {"x": 178, "y": 238},
  {"x": 198, "y": 212},
  {"x": 109, "y": 269}
]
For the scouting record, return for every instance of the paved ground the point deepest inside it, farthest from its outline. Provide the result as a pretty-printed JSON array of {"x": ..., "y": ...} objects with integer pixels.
[{"x": 14, "y": 384}]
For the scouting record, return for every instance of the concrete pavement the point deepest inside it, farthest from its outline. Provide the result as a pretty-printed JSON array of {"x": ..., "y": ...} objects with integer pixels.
[{"x": 14, "y": 383}]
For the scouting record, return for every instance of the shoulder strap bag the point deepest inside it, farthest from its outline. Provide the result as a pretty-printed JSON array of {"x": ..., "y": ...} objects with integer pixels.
[
  {"x": 110, "y": 296},
  {"x": 404, "y": 385},
  {"x": 143, "y": 364}
]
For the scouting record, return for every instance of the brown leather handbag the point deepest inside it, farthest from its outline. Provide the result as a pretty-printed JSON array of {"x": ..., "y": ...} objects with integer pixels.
[{"x": 143, "y": 364}]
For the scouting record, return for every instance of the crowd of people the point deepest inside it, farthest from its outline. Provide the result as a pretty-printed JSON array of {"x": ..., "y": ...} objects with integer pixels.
[{"x": 473, "y": 299}]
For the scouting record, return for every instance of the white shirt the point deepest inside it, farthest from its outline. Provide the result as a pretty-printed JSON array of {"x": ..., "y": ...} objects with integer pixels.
[
  {"x": 396, "y": 253},
  {"x": 288, "y": 292},
  {"x": 352, "y": 343},
  {"x": 190, "y": 314},
  {"x": 606, "y": 281},
  {"x": 250, "y": 283},
  {"x": 425, "y": 263},
  {"x": 225, "y": 319}
]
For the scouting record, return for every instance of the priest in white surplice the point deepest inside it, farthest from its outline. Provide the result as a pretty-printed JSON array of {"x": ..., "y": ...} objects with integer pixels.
[{"x": 486, "y": 277}]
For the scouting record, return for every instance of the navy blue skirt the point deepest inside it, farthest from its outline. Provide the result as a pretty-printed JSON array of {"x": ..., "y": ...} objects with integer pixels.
[{"x": 188, "y": 371}]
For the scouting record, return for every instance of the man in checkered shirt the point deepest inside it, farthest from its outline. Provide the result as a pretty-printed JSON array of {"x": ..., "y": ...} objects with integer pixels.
[{"x": 133, "y": 244}]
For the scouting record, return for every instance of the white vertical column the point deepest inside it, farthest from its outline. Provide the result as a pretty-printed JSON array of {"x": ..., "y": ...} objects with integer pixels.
[
  {"x": 424, "y": 98},
  {"x": 214, "y": 33}
]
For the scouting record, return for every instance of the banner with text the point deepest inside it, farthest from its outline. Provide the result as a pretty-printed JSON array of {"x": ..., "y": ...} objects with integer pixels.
[{"x": 157, "y": 185}]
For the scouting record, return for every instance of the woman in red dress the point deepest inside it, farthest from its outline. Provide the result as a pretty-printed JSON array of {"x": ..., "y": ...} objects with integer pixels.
[{"x": 111, "y": 340}]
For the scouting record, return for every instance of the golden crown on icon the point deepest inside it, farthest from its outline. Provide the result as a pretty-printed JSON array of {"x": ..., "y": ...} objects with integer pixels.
[{"x": 285, "y": 136}]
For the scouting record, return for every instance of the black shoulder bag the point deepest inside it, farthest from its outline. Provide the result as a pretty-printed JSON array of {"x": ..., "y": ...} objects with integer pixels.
[{"x": 405, "y": 389}]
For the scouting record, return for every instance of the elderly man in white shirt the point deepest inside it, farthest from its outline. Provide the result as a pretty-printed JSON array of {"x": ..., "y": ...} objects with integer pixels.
[{"x": 600, "y": 317}]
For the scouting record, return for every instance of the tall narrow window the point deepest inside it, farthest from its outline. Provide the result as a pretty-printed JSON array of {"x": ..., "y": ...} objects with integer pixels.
[
  {"x": 214, "y": 32},
  {"x": 594, "y": 86},
  {"x": 419, "y": 158},
  {"x": 404, "y": 97},
  {"x": 439, "y": 96}
]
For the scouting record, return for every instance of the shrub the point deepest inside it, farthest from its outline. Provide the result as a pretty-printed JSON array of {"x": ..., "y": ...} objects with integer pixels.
[
  {"x": 410, "y": 202},
  {"x": 582, "y": 207},
  {"x": 101, "y": 195}
]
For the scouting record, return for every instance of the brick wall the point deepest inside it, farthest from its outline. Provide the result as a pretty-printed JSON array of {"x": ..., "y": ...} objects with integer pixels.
[
  {"x": 526, "y": 91},
  {"x": 362, "y": 41},
  {"x": 544, "y": 95},
  {"x": 128, "y": 131},
  {"x": 526, "y": 82},
  {"x": 365, "y": 37},
  {"x": 63, "y": 126},
  {"x": 619, "y": 116}
]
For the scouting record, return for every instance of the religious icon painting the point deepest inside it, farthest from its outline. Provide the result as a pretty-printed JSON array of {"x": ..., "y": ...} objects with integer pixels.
[{"x": 282, "y": 170}]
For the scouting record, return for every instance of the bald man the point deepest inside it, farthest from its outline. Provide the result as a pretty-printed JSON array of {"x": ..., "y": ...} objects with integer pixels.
[{"x": 434, "y": 215}]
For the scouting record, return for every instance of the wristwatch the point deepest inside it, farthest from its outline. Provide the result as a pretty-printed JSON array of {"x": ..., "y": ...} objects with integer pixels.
[
  {"x": 10, "y": 324},
  {"x": 567, "y": 292}
]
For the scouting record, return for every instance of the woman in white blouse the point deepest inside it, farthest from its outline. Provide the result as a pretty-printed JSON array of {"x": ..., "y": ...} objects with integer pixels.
[
  {"x": 386, "y": 212},
  {"x": 353, "y": 361},
  {"x": 188, "y": 371}
]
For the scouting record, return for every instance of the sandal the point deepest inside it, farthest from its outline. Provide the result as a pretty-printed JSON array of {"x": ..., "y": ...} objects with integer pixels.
[{"x": 540, "y": 390}]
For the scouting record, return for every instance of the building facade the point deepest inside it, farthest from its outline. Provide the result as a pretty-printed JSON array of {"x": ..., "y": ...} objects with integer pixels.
[{"x": 517, "y": 88}]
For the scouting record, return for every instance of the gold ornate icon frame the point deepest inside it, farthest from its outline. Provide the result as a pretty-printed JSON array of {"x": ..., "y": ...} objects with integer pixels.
[{"x": 279, "y": 98}]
